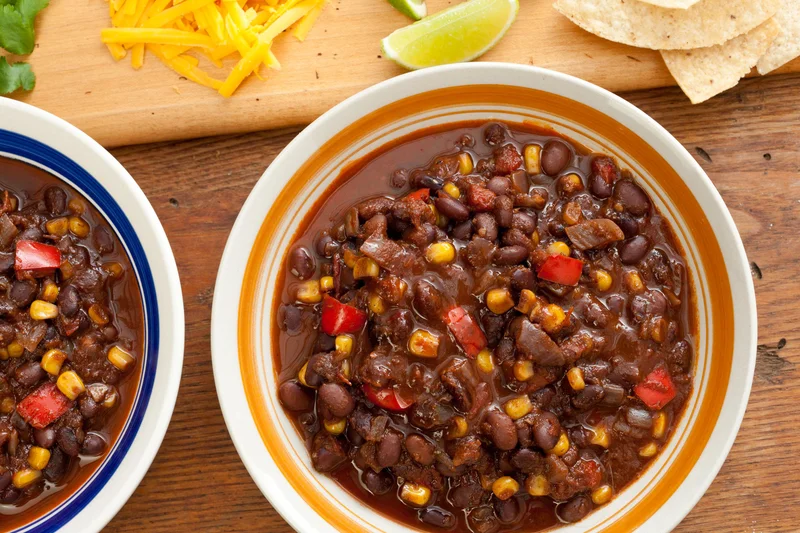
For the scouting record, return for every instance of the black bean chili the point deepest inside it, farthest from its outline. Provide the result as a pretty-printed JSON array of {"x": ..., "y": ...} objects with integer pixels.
[
  {"x": 70, "y": 339},
  {"x": 496, "y": 335}
]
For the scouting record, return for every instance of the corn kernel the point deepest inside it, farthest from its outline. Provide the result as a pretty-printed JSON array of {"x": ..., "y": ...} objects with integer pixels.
[
  {"x": 602, "y": 279},
  {"x": 441, "y": 220},
  {"x": 301, "y": 376},
  {"x": 7, "y": 405},
  {"x": 484, "y": 361},
  {"x": 459, "y": 427},
  {"x": 99, "y": 314},
  {"x": 648, "y": 450},
  {"x": 423, "y": 344},
  {"x": 414, "y": 494},
  {"x": 570, "y": 184},
  {"x": 38, "y": 457},
  {"x": 344, "y": 344},
  {"x": 535, "y": 237},
  {"x": 551, "y": 317},
  {"x": 634, "y": 282},
  {"x": 537, "y": 485},
  {"x": 41, "y": 310},
  {"x": 558, "y": 247},
  {"x": 601, "y": 495},
  {"x": 335, "y": 427},
  {"x": 562, "y": 446},
  {"x": 66, "y": 269},
  {"x": 376, "y": 304},
  {"x": 25, "y": 477},
  {"x": 13, "y": 202},
  {"x": 78, "y": 227},
  {"x": 111, "y": 399},
  {"x": 532, "y": 158},
  {"x": 451, "y": 189},
  {"x": 57, "y": 226},
  {"x": 527, "y": 300},
  {"x": 440, "y": 253},
  {"x": 308, "y": 292},
  {"x": 575, "y": 378},
  {"x": 52, "y": 361},
  {"x": 572, "y": 213},
  {"x": 326, "y": 283},
  {"x": 70, "y": 384},
  {"x": 350, "y": 258},
  {"x": 3, "y": 354},
  {"x": 658, "y": 330},
  {"x": 120, "y": 358},
  {"x": 346, "y": 372},
  {"x": 465, "y": 164},
  {"x": 366, "y": 268},
  {"x": 600, "y": 437},
  {"x": 499, "y": 301},
  {"x": 505, "y": 487},
  {"x": 15, "y": 349},
  {"x": 659, "y": 425},
  {"x": 486, "y": 481},
  {"x": 518, "y": 407},
  {"x": 523, "y": 370},
  {"x": 50, "y": 291},
  {"x": 114, "y": 269},
  {"x": 76, "y": 206}
]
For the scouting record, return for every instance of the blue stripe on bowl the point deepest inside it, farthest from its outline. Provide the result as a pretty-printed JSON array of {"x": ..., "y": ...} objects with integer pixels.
[{"x": 32, "y": 151}]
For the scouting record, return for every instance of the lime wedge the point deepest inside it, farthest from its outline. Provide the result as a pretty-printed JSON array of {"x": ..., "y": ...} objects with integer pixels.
[
  {"x": 411, "y": 8},
  {"x": 459, "y": 33}
]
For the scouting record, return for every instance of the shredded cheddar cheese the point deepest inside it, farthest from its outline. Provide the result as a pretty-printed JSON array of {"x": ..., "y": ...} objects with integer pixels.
[{"x": 181, "y": 32}]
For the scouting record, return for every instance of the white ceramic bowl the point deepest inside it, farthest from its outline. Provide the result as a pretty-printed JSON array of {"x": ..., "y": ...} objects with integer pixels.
[
  {"x": 43, "y": 140},
  {"x": 242, "y": 315}
]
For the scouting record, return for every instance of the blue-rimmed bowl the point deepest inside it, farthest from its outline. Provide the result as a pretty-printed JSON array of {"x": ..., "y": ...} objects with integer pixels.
[{"x": 41, "y": 139}]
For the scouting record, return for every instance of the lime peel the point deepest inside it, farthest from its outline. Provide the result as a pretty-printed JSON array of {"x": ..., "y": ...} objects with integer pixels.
[{"x": 415, "y": 9}]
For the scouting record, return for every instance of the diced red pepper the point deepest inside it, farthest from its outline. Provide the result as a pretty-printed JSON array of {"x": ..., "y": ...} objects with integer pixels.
[
  {"x": 386, "y": 398},
  {"x": 420, "y": 194},
  {"x": 657, "y": 389},
  {"x": 561, "y": 269},
  {"x": 36, "y": 257},
  {"x": 466, "y": 331},
  {"x": 43, "y": 406},
  {"x": 338, "y": 318}
]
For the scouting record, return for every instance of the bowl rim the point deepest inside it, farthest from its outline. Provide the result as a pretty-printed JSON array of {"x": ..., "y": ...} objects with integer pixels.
[
  {"x": 229, "y": 283},
  {"x": 61, "y": 143}
]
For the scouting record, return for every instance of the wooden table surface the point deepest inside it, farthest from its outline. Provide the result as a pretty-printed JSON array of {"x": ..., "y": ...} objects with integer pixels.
[{"x": 748, "y": 141}]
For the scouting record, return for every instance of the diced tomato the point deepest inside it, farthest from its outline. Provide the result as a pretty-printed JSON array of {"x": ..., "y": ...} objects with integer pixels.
[
  {"x": 420, "y": 194},
  {"x": 386, "y": 398},
  {"x": 466, "y": 331},
  {"x": 561, "y": 269},
  {"x": 338, "y": 318},
  {"x": 43, "y": 406},
  {"x": 36, "y": 257},
  {"x": 657, "y": 389}
]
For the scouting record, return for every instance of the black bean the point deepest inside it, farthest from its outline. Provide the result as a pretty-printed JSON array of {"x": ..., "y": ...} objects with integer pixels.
[
  {"x": 351, "y": 223},
  {"x": 494, "y": 134},
  {"x": 69, "y": 301},
  {"x": 57, "y": 466},
  {"x": 7, "y": 333},
  {"x": 68, "y": 441},
  {"x": 519, "y": 181},
  {"x": 509, "y": 511},
  {"x": 600, "y": 187},
  {"x": 546, "y": 430},
  {"x": 525, "y": 221},
  {"x": 614, "y": 394},
  {"x": 110, "y": 333},
  {"x": 5, "y": 480},
  {"x": 628, "y": 225},
  {"x": 555, "y": 156},
  {"x": 389, "y": 449},
  {"x": 437, "y": 517},
  {"x": 427, "y": 301},
  {"x": 523, "y": 278},
  {"x": 290, "y": 317},
  {"x": 377, "y": 482},
  {"x": 502, "y": 430},
  {"x": 399, "y": 179},
  {"x": 639, "y": 418},
  {"x": 28, "y": 374},
  {"x": 615, "y": 304},
  {"x": 327, "y": 453},
  {"x": 451, "y": 208},
  {"x": 103, "y": 240},
  {"x": 30, "y": 234},
  {"x": 93, "y": 445},
  {"x": 485, "y": 226},
  {"x": 420, "y": 449},
  {"x": 633, "y": 250},
  {"x": 426, "y": 181},
  {"x": 10, "y": 495},
  {"x": 482, "y": 520},
  {"x": 6, "y": 261},
  {"x": 55, "y": 199},
  {"x": 294, "y": 397},
  {"x": 590, "y": 395},
  {"x": 463, "y": 230},
  {"x": 89, "y": 408},
  {"x": 337, "y": 399},
  {"x": 326, "y": 245},
  {"x": 504, "y": 211},
  {"x": 44, "y": 437},
  {"x": 312, "y": 377},
  {"x": 575, "y": 509},
  {"x": 499, "y": 185},
  {"x": 510, "y": 255},
  {"x": 632, "y": 197},
  {"x": 23, "y": 293},
  {"x": 301, "y": 264}
]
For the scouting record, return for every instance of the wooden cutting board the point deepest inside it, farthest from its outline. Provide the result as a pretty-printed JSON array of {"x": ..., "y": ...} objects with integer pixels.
[{"x": 80, "y": 82}]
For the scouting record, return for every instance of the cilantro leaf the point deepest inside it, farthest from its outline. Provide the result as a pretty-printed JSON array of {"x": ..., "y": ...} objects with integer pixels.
[
  {"x": 16, "y": 24},
  {"x": 15, "y": 76}
]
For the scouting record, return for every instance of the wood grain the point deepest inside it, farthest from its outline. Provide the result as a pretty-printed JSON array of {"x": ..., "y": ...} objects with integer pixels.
[
  {"x": 79, "y": 81},
  {"x": 750, "y": 143}
]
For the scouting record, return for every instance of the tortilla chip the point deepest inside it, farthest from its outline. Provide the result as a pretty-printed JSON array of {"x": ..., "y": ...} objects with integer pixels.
[
  {"x": 787, "y": 45},
  {"x": 706, "y": 72},
  {"x": 707, "y": 23},
  {"x": 672, "y": 4}
]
